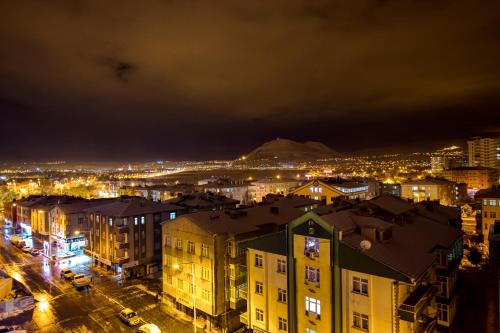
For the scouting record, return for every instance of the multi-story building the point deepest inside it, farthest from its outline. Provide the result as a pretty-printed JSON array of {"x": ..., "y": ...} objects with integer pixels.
[
  {"x": 157, "y": 192},
  {"x": 262, "y": 187},
  {"x": 476, "y": 178},
  {"x": 206, "y": 244},
  {"x": 351, "y": 271},
  {"x": 327, "y": 191},
  {"x": 490, "y": 209},
  {"x": 237, "y": 190},
  {"x": 201, "y": 201},
  {"x": 439, "y": 163},
  {"x": 448, "y": 193},
  {"x": 484, "y": 152},
  {"x": 125, "y": 234},
  {"x": 392, "y": 189}
]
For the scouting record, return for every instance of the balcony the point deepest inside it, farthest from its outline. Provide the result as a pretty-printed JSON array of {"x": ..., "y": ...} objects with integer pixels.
[
  {"x": 411, "y": 308},
  {"x": 244, "y": 318}
]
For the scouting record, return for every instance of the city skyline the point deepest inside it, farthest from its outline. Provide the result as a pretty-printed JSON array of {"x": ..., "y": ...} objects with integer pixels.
[{"x": 83, "y": 81}]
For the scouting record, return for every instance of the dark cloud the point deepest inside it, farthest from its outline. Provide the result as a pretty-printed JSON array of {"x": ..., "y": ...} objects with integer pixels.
[{"x": 193, "y": 79}]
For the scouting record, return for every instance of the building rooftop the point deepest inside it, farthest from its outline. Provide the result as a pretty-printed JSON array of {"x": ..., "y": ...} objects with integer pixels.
[
  {"x": 202, "y": 200},
  {"x": 493, "y": 192},
  {"x": 130, "y": 206},
  {"x": 472, "y": 168},
  {"x": 428, "y": 181}
]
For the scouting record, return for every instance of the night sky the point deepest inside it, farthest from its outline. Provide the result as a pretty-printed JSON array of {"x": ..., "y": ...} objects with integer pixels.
[{"x": 138, "y": 80}]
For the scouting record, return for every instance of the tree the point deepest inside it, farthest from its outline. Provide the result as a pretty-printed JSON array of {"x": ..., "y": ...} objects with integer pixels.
[{"x": 475, "y": 256}]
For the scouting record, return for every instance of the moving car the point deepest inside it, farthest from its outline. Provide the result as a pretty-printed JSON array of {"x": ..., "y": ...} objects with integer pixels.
[
  {"x": 129, "y": 317},
  {"x": 80, "y": 281},
  {"x": 149, "y": 328},
  {"x": 67, "y": 274}
]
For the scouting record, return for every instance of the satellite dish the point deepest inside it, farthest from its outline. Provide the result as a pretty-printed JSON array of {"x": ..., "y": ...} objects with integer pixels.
[{"x": 365, "y": 244}]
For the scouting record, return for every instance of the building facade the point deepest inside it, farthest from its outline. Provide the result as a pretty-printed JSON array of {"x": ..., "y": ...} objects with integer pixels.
[
  {"x": 207, "y": 243},
  {"x": 490, "y": 209},
  {"x": 484, "y": 152},
  {"x": 327, "y": 192},
  {"x": 342, "y": 275},
  {"x": 125, "y": 234},
  {"x": 260, "y": 188},
  {"x": 476, "y": 178},
  {"x": 448, "y": 193}
]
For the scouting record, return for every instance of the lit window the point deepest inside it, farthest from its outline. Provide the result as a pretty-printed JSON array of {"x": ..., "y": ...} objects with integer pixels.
[
  {"x": 172, "y": 215},
  {"x": 110, "y": 222},
  {"x": 258, "y": 260},
  {"x": 205, "y": 273},
  {"x": 143, "y": 220},
  {"x": 360, "y": 320},
  {"x": 360, "y": 285},
  {"x": 308, "y": 330},
  {"x": 311, "y": 246},
  {"x": 136, "y": 221},
  {"x": 313, "y": 305},
  {"x": 493, "y": 202}
]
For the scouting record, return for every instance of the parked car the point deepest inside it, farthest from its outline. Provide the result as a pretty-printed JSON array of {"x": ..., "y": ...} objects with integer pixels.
[
  {"x": 129, "y": 317},
  {"x": 67, "y": 274},
  {"x": 35, "y": 252},
  {"x": 80, "y": 281},
  {"x": 149, "y": 328},
  {"x": 15, "y": 239},
  {"x": 27, "y": 249},
  {"x": 21, "y": 244}
]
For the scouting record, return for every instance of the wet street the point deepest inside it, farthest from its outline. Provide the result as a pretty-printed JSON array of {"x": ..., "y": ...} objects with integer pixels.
[{"x": 59, "y": 307}]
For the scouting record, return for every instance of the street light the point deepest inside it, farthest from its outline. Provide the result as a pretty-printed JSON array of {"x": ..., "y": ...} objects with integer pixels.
[{"x": 178, "y": 267}]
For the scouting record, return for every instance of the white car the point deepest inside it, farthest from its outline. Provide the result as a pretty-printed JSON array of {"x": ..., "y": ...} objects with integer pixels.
[
  {"x": 80, "y": 281},
  {"x": 149, "y": 328},
  {"x": 129, "y": 317}
]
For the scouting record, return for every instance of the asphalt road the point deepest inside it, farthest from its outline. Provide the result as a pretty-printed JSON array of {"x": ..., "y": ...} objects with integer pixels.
[{"x": 62, "y": 308}]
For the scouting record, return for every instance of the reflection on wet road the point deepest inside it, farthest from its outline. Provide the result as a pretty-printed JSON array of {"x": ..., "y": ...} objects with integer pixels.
[{"x": 61, "y": 308}]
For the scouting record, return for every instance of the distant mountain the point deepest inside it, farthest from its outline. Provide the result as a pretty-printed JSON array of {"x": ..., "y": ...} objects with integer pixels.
[{"x": 288, "y": 150}]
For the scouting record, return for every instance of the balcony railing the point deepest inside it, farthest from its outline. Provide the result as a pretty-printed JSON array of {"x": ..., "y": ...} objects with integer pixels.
[
  {"x": 244, "y": 318},
  {"x": 416, "y": 301}
]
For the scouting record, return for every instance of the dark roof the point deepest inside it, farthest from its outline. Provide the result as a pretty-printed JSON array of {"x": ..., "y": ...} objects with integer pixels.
[
  {"x": 392, "y": 204},
  {"x": 130, "y": 206},
  {"x": 493, "y": 192},
  {"x": 272, "y": 243},
  {"x": 202, "y": 200},
  {"x": 409, "y": 249},
  {"x": 243, "y": 220}
]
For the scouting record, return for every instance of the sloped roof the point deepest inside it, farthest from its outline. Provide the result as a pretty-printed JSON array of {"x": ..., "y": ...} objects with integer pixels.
[
  {"x": 392, "y": 204},
  {"x": 493, "y": 192},
  {"x": 272, "y": 243},
  {"x": 130, "y": 206}
]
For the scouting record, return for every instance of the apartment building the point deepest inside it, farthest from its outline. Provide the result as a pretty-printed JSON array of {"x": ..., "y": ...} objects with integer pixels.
[
  {"x": 125, "y": 234},
  {"x": 448, "y": 193},
  {"x": 326, "y": 191},
  {"x": 203, "y": 264},
  {"x": 262, "y": 187},
  {"x": 484, "y": 152},
  {"x": 237, "y": 190},
  {"x": 476, "y": 178},
  {"x": 354, "y": 270},
  {"x": 490, "y": 209}
]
